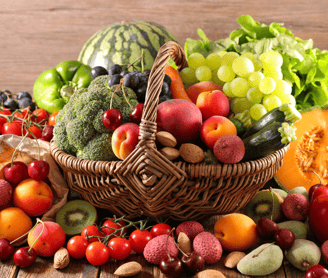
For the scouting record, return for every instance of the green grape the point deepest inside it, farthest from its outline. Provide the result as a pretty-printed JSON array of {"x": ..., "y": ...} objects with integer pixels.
[
  {"x": 282, "y": 88},
  {"x": 243, "y": 66},
  {"x": 254, "y": 78},
  {"x": 257, "y": 65},
  {"x": 228, "y": 58},
  {"x": 248, "y": 55},
  {"x": 288, "y": 99},
  {"x": 213, "y": 61},
  {"x": 267, "y": 85},
  {"x": 276, "y": 74},
  {"x": 225, "y": 73},
  {"x": 257, "y": 111},
  {"x": 239, "y": 87},
  {"x": 271, "y": 101},
  {"x": 273, "y": 58},
  {"x": 254, "y": 95},
  {"x": 262, "y": 56},
  {"x": 203, "y": 73},
  {"x": 239, "y": 105},
  {"x": 195, "y": 60},
  {"x": 227, "y": 90},
  {"x": 222, "y": 53},
  {"x": 188, "y": 75},
  {"x": 216, "y": 79}
]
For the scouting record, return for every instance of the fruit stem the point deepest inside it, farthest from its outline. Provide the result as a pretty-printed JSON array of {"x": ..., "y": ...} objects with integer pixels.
[
  {"x": 24, "y": 234},
  {"x": 167, "y": 239},
  {"x": 314, "y": 173},
  {"x": 43, "y": 226},
  {"x": 256, "y": 255},
  {"x": 125, "y": 96},
  {"x": 20, "y": 143},
  {"x": 177, "y": 245}
]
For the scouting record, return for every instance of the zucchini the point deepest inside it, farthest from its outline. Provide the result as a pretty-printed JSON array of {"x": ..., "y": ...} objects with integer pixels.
[
  {"x": 268, "y": 140},
  {"x": 284, "y": 113}
]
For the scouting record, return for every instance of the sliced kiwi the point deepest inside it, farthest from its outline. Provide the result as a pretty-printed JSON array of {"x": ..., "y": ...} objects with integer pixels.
[
  {"x": 265, "y": 204},
  {"x": 75, "y": 215}
]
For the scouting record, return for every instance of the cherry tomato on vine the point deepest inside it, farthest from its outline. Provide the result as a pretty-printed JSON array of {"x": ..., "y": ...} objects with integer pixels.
[
  {"x": 12, "y": 128},
  {"x": 92, "y": 230},
  {"x": 160, "y": 229},
  {"x": 111, "y": 224},
  {"x": 42, "y": 115},
  {"x": 36, "y": 131},
  {"x": 22, "y": 114},
  {"x": 77, "y": 247},
  {"x": 119, "y": 248},
  {"x": 138, "y": 240},
  {"x": 52, "y": 118},
  {"x": 97, "y": 253}
]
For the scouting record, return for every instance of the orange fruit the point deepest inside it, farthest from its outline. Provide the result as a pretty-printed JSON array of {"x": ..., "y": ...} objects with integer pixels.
[
  {"x": 236, "y": 232},
  {"x": 14, "y": 223}
]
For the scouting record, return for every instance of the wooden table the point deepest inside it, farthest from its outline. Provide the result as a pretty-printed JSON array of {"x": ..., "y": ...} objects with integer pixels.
[{"x": 37, "y": 35}]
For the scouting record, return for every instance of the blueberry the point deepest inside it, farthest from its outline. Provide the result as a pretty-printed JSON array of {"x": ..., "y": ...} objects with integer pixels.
[
  {"x": 23, "y": 94},
  {"x": 10, "y": 104},
  {"x": 114, "y": 69},
  {"x": 114, "y": 80},
  {"x": 26, "y": 102},
  {"x": 167, "y": 79},
  {"x": 98, "y": 71}
]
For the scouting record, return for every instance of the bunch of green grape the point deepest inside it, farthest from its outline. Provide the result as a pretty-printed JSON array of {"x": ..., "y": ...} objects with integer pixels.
[{"x": 253, "y": 84}]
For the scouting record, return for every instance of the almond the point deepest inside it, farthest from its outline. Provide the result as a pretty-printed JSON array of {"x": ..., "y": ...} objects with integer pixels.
[
  {"x": 166, "y": 139},
  {"x": 61, "y": 258},
  {"x": 209, "y": 273},
  {"x": 184, "y": 242},
  {"x": 233, "y": 259},
  {"x": 128, "y": 269},
  {"x": 191, "y": 153},
  {"x": 170, "y": 153}
]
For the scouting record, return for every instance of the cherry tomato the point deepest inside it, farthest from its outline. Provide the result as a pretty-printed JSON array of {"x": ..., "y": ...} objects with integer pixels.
[
  {"x": 109, "y": 223},
  {"x": 160, "y": 229},
  {"x": 42, "y": 115},
  {"x": 5, "y": 111},
  {"x": 52, "y": 118},
  {"x": 138, "y": 240},
  {"x": 91, "y": 230},
  {"x": 97, "y": 253},
  {"x": 36, "y": 131},
  {"x": 77, "y": 247},
  {"x": 21, "y": 114},
  {"x": 11, "y": 128},
  {"x": 119, "y": 248}
]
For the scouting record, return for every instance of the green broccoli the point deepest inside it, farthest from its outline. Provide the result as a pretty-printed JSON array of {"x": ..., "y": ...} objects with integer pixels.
[
  {"x": 79, "y": 132},
  {"x": 60, "y": 137}
]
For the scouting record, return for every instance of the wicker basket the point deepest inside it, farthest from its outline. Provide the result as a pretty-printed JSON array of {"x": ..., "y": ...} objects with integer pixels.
[{"x": 148, "y": 184}]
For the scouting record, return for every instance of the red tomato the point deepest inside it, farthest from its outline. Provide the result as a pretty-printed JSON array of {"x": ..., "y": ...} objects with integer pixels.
[
  {"x": 42, "y": 115},
  {"x": 52, "y": 118},
  {"x": 21, "y": 114},
  {"x": 160, "y": 229},
  {"x": 109, "y": 223},
  {"x": 138, "y": 240},
  {"x": 318, "y": 217},
  {"x": 3, "y": 120},
  {"x": 91, "y": 230},
  {"x": 35, "y": 131},
  {"x": 12, "y": 128},
  {"x": 77, "y": 247},
  {"x": 119, "y": 248},
  {"x": 97, "y": 253}
]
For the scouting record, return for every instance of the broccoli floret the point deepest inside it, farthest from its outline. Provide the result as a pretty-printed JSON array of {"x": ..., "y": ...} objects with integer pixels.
[
  {"x": 79, "y": 132},
  {"x": 60, "y": 137},
  {"x": 99, "y": 148},
  {"x": 98, "y": 123}
]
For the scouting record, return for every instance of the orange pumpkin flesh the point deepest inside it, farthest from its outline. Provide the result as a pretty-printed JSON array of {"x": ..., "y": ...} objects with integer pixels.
[{"x": 308, "y": 152}]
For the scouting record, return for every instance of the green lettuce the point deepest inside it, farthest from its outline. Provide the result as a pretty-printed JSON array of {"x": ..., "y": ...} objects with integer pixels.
[{"x": 305, "y": 67}]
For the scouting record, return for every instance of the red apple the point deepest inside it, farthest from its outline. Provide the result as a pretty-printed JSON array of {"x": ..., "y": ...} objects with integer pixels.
[
  {"x": 213, "y": 103},
  {"x": 33, "y": 197},
  {"x": 318, "y": 217}
]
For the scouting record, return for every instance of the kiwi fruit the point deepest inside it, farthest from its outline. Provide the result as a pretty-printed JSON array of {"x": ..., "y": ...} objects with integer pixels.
[
  {"x": 265, "y": 204},
  {"x": 75, "y": 215}
]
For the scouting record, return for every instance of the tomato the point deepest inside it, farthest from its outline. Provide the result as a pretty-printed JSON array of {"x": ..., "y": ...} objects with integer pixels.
[
  {"x": 77, "y": 247},
  {"x": 318, "y": 217},
  {"x": 52, "y": 118},
  {"x": 119, "y": 248},
  {"x": 160, "y": 229},
  {"x": 42, "y": 115},
  {"x": 138, "y": 240},
  {"x": 91, "y": 230},
  {"x": 97, "y": 253},
  {"x": 21, "y": 114},
  {"x": 110, "y": 223},
  {"x": 3, "y": 120},
  {"x": 12, "y": 128},
  {"x": 35, "y": 131}
]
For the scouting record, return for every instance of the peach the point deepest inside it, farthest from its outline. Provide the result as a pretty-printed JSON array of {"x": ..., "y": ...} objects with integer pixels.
[
  {"x": 213, "y": 103},
  {"x": 14, "y": 223},
  {"x": 124, "y": 139},
  {"x": 236, "y": 232},
  {"x": 51, "y": 239},
  {"x": 214, "y": 127},
  {"x": 181, "y": 118},
  {"x": 203, "y": 86},
  {"x": 33, "y": 197}
]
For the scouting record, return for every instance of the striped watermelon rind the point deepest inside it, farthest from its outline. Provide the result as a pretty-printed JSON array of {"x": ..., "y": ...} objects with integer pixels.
[{"x": 123, "y": 44}]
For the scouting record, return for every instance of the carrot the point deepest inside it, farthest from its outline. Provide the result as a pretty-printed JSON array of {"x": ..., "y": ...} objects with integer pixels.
[{"x": 177, "y": 87}]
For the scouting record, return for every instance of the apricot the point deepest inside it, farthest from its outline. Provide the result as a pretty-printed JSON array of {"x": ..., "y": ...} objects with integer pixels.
[
  {"x": 203, "y": 86},
  {"x": 14, "y": 223},
  {"x": 236, "y": 232}
]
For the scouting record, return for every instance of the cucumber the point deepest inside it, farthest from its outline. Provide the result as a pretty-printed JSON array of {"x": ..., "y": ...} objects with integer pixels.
[
  {"x": 268, "y": 140},
  {"x": 284, "y": 113}
]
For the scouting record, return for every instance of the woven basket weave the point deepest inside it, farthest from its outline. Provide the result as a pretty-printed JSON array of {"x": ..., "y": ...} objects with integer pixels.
[{"x": 148, "y": 184}]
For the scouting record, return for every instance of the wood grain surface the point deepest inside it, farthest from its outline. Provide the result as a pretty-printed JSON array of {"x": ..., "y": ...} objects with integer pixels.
[{"x": 36, "y": 35}]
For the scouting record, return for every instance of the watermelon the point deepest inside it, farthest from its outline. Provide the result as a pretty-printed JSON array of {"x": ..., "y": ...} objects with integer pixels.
[{"x": 123, "y": 44}]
